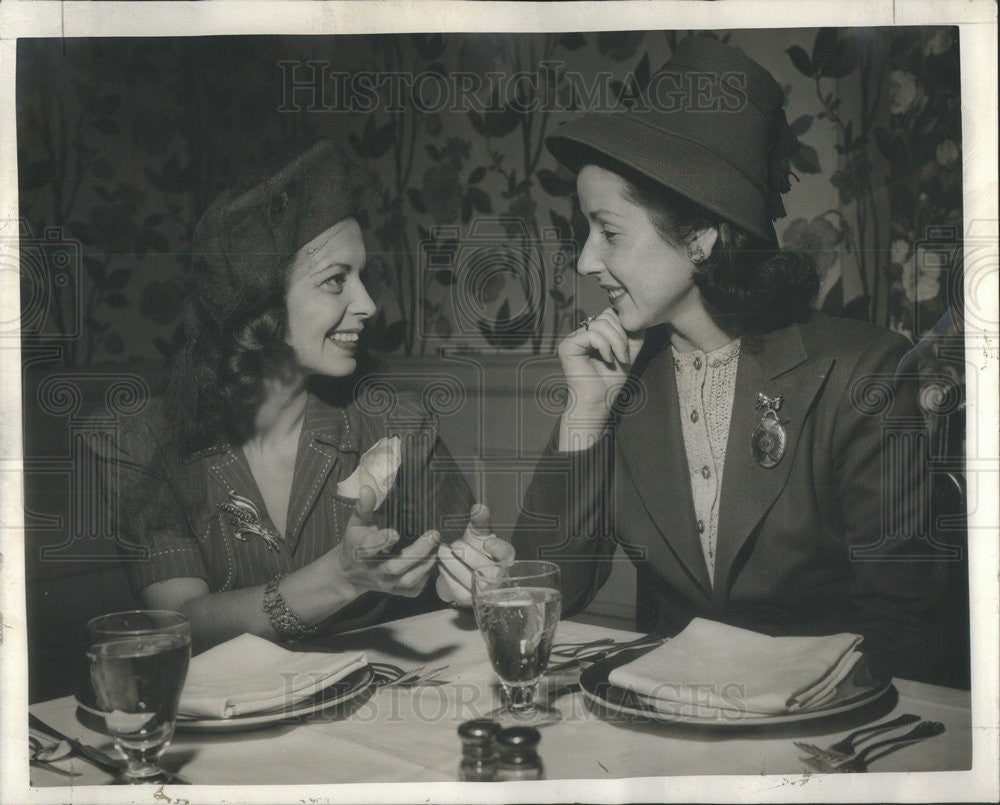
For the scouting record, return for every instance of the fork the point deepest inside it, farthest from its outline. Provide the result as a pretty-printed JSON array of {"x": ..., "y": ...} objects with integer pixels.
[
  {"x": 859, "y": 763},
  {"x": 595, "y": 656},
  {"x": 41, "y": 752},
  {"x": 843, "y": 749},
  {"x": 392, "y": 676}
]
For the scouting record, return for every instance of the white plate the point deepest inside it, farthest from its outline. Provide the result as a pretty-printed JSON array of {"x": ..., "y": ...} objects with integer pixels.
[
  {"x": 868, "y": 681},
  {"x": 351, "y": 686}
]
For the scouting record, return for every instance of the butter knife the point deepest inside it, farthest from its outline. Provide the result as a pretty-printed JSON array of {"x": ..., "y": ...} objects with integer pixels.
[{"x": 91, "y": 754}]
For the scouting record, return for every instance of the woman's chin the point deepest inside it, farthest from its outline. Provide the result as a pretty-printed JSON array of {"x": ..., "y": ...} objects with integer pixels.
[{"x": 342, "y": 368}]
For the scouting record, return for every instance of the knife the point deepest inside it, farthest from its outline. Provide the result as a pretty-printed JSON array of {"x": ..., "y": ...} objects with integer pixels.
[{"x": 91, "y": 754}]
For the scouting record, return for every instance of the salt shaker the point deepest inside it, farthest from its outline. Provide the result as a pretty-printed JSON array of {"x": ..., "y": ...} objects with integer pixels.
[
  {"x": 479, "y": 751},
  {"x": 519, "y": 758}
]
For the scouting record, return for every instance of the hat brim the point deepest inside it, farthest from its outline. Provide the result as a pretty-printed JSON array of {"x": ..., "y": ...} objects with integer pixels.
[{"x": 668, "y": 159}]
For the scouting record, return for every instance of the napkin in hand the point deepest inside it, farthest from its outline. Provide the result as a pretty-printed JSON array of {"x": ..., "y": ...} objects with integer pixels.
[
  {"x": 377, "y": 469},
  {"x": 249, "y": 674},
  {"x": 711, "y": 669}
]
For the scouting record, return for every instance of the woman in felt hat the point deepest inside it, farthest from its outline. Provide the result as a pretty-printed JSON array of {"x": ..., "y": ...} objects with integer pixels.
[
  {"x": 730, "y": 439},
  {"x": 249, "y": 493}
]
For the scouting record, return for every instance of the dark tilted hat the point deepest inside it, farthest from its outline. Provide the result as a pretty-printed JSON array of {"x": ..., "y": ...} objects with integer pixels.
[
  {"x": 246, "y": 239},
  {"x": 710, "y": 126}
]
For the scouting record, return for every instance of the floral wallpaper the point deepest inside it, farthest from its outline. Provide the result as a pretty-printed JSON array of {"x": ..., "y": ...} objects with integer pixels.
[{"x": 473, "y": 236}]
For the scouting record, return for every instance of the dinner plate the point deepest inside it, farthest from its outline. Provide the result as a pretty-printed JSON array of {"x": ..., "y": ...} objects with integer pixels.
[
  {"x": 868, "y": 681},
  {"x": 351, "y": 686}
]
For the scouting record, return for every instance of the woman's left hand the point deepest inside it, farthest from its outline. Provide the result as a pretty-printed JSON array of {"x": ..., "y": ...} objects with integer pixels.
[{"x": 362, "y": 563}]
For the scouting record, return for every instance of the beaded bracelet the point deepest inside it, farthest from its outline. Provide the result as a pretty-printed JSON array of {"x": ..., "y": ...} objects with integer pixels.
[{"x": 287, "y": 625}]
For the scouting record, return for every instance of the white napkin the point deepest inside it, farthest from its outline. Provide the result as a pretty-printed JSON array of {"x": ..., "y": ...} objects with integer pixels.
[
  {"x": 377, "y": 469},
  {"x": 249, "y": 674},
  {"x": 714, "y": 670}
]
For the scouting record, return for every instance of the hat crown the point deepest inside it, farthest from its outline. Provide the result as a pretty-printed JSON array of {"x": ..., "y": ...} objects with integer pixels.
[
  {"x": 710, "y": 126},
  {"x": 709, "y": 56}
]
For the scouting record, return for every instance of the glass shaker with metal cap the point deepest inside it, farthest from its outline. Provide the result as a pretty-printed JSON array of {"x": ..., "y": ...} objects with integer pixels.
[
  {"x": 479, "y": 751},
  {"x": 519, "y": 758}
]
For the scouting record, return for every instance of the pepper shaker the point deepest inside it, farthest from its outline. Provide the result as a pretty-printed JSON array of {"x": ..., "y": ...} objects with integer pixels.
[
  {"x": 479, "y": 751},
  {"x": 519, "y": 758}
]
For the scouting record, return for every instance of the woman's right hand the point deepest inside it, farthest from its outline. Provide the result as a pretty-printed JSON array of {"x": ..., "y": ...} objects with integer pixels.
[
  {"x": 360, "y": 557},
  {"x": 595, "y": 361}
]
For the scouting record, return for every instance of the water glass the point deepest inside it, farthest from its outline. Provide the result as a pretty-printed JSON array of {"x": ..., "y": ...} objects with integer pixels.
[
  {"x": 138, "y": 661},
  {"x": 517, "y": 608}
]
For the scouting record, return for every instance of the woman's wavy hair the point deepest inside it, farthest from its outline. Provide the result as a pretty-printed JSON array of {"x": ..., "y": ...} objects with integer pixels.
[{"x": 751, "y": 285}]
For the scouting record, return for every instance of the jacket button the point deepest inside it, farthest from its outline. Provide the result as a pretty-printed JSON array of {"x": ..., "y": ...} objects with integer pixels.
[
  {"x": 701, "y": 526},
  {"x": 706, "y": 472},
  {"x": 694, "y": 416},
  {"x": 697, "y": 363}
]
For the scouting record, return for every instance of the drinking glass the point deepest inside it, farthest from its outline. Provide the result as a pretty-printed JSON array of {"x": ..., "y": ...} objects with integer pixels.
[
  {"x": 517, "y": 609},
  {"x": 138, "y": 661}
]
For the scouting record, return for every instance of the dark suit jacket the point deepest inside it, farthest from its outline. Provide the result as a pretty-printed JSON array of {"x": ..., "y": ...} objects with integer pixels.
[{"x": 834, "y": 538}]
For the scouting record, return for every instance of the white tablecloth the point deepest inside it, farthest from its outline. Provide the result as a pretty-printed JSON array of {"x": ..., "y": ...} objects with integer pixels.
[{"x": 401, "y": 735}]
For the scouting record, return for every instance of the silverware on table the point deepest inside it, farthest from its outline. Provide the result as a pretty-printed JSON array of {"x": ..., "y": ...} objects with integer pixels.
[
  {"x": 595, "y": 656},
  {"x": 859, "y": 763},
  {"x": 91, "y": 754},
  {"x": 843, "y": 749},
  {"x": 41, "y": 752},
  {"x": 392, "y": 676}
]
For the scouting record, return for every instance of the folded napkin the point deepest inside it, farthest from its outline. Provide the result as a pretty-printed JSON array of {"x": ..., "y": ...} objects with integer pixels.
[
  {"x": 249, "y": 674},
  {"x": 714, "y": 670}
]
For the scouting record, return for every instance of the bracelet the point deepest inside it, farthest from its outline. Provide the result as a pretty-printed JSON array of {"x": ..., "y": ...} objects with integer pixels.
[{"x": 287, "y": 625}]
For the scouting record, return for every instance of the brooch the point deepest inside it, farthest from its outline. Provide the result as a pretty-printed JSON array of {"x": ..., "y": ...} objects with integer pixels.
[
  {"x": 768, "y": 440},
  {"x": 244, "y": 515}
]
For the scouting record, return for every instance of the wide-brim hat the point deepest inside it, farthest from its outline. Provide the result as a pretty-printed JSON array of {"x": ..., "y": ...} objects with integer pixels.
[
  {"x": 709, "y": 125},
  {"x": 251, "y": 231}
]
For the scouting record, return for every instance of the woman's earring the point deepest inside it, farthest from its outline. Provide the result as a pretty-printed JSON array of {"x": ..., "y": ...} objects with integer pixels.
[{"x": 697, "y": 254}]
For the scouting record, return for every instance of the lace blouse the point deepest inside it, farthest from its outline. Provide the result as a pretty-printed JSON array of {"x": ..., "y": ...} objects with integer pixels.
[{"x": 705, "y": 386}]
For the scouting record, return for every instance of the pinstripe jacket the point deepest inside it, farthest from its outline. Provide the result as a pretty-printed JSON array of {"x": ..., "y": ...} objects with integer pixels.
[{"x": 178, "y": 521}]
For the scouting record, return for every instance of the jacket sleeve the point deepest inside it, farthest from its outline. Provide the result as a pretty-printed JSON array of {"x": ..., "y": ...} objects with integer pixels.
[
  {"x": 155, "y": 537},
  {"x": 566, "y": 517},
  {"x": 881, "y": 453}
]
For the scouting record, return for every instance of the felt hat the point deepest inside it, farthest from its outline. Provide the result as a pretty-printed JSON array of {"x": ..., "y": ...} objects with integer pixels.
[
  {"x": 709, "y": 125},
  {"x": 246, "y": 239}
]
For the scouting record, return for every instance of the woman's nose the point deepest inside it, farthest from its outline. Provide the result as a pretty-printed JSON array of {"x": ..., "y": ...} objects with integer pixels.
[
  {"x": 587, "y": 263},
  {"x": 362, "y": 305}
]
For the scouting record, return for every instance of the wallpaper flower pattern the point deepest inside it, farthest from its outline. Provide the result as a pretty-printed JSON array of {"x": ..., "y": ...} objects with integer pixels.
[{"x": 473, "y": 236}]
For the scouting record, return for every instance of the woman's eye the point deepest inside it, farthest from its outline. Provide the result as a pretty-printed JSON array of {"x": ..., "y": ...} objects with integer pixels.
[
  {"x": 334, "y": 282},
  {"x": 610, "y": 236}
]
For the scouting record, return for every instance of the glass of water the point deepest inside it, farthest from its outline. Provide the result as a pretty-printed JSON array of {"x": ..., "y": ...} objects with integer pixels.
[
  {"x": 517, "y": 609},
  {"x": 138, "y": 661}
]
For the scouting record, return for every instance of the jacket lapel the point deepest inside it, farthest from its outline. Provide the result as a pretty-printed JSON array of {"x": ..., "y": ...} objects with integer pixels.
[
  {"x": 652, "y": 445},
  {"x": 779, "y": 366},
  {"x": 325, "y": 435}
]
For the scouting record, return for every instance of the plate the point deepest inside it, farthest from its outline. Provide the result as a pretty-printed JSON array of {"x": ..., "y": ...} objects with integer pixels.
[
  {"x": 351, "y": 686},
  {"x": 868, "y": 681}
]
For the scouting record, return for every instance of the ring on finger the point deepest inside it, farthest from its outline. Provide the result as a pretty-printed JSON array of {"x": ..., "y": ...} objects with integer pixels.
[{"x": 585, "y": 324}]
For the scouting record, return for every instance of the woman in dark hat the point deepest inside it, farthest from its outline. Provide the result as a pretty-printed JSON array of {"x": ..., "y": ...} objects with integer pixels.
[
  {"x": 250, "y": 490},
  {"x": 730, "y": 439}
]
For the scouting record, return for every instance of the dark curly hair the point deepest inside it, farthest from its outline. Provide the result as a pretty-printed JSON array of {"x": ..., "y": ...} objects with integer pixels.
[{"x": 750, "y": 285}]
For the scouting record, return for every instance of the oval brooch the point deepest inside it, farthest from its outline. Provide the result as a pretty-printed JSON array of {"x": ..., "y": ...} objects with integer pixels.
[{"x": 769, "y": 438}]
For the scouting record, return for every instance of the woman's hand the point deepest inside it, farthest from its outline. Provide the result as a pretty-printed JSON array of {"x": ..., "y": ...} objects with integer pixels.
[
  {"x": 361, "y": 562},
  {"x": 595, "y": 360},
  {"x": 477, "y": 547}
]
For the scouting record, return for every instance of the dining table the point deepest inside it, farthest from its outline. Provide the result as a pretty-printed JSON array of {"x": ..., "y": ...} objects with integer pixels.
[{"x": 409, "y": 734}]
